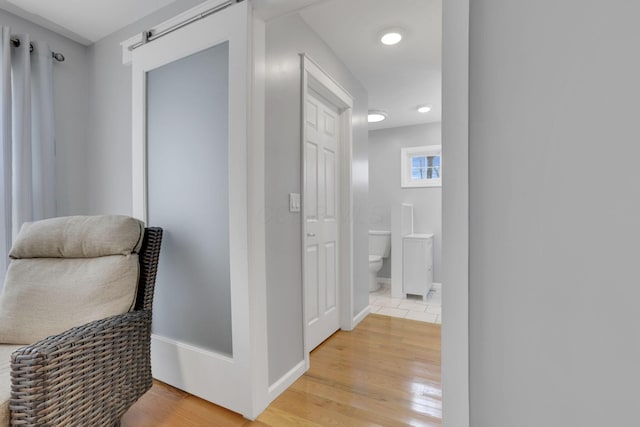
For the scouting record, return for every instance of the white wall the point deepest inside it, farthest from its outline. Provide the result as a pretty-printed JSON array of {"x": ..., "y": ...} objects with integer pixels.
[
  {"x": 385, "y": 190},
  {"x": 287, "y": 37},
  {"x": 109, "y": 134},
  {"x": 70, "y": 94},
  {"x": 554, "y": 213}
]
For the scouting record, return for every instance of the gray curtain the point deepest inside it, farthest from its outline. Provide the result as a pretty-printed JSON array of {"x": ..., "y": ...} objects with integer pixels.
[{"x": 27, "y": 184}]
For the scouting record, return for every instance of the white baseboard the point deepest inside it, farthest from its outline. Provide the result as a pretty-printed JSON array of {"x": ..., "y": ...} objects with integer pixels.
[
  {"x": 298, "y": 370},
  {"x": 287, "y": 380},
  {"x": 360, "y": 316}
]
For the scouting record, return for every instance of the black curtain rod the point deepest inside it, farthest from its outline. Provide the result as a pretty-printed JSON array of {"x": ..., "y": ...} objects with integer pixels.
[{"x": 57, "y": 56}]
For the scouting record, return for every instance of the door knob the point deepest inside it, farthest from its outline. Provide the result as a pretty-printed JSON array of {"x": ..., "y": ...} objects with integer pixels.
[{"x": 311, "y": 234}]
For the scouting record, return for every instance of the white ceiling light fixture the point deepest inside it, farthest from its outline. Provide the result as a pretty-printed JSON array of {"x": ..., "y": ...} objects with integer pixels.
[
  {"x": 424, "y": 109},
  {"x": 391, "y": 37},
  {"x": 376, "y": 116}
]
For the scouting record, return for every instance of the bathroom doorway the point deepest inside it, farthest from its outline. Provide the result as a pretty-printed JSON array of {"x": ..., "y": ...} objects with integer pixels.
[{"x": 407, "y": 282}]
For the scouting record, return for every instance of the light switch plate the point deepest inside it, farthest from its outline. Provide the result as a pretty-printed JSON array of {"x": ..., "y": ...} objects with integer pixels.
[{"x": 294, "y": 202}]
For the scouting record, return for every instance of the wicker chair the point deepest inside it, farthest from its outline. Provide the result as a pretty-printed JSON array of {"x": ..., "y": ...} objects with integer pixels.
[{"x": 89, "y": 375}]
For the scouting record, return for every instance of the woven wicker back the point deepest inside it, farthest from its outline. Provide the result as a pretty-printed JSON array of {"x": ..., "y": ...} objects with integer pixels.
[{"x": 149, "y": 254}]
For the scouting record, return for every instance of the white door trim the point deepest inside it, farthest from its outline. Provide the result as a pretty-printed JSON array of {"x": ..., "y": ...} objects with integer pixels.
[
  {"x": 455, "y": 214},
  {"x": 259, "y": 380},
  {"x": 314, "y": 77}
]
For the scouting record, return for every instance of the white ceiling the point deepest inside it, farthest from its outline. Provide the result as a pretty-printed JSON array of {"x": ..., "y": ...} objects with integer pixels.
[
  {"x": 398, "y": 78},
  {"x": 268, "y": 9}
]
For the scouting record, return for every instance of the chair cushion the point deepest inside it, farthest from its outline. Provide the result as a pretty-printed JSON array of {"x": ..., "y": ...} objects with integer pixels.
[
  {"x": 5, "y": 381},
  {"x": 46, "y": 296},
  {"x": 78, "y": 237},
  {"x": 67, "y": 272}
]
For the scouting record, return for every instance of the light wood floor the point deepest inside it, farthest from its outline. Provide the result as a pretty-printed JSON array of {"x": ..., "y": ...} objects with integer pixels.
[{"x": 385, "y": 372}]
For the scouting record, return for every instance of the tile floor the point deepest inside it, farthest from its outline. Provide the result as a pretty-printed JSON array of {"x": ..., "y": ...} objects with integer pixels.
[{"x": 411, "y": 308}]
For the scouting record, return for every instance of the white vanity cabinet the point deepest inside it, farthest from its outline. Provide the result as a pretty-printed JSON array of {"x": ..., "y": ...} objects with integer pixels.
[{"x": 417, "y": 264}]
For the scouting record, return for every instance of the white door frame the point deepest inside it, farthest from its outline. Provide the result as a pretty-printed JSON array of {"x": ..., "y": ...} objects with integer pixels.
[
  {"x": 243, "y": 378},
  {"x": 455, "y": 213},
  {"x": 314, "y": 77}
]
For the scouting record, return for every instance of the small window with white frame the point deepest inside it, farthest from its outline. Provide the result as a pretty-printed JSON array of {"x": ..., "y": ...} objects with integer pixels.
[{"x": 421, "y": 166}]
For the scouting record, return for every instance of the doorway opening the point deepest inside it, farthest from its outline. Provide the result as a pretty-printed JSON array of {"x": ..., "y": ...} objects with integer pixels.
[{"x": 397, "y": 162}]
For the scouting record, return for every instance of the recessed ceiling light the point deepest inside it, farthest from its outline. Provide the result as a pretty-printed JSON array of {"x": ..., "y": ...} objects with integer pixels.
[
  {"x": 424, "y": 109},
  {"x": 391, "y": 37},
  {"x": 376, "y": 116}
]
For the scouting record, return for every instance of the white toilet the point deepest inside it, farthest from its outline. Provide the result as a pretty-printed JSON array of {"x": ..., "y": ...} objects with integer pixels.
[{"x": 379, "y": 248}]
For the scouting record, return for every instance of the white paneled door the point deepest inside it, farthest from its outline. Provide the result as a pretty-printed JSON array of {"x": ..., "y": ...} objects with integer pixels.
[{"x": 321, "y": 184}]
